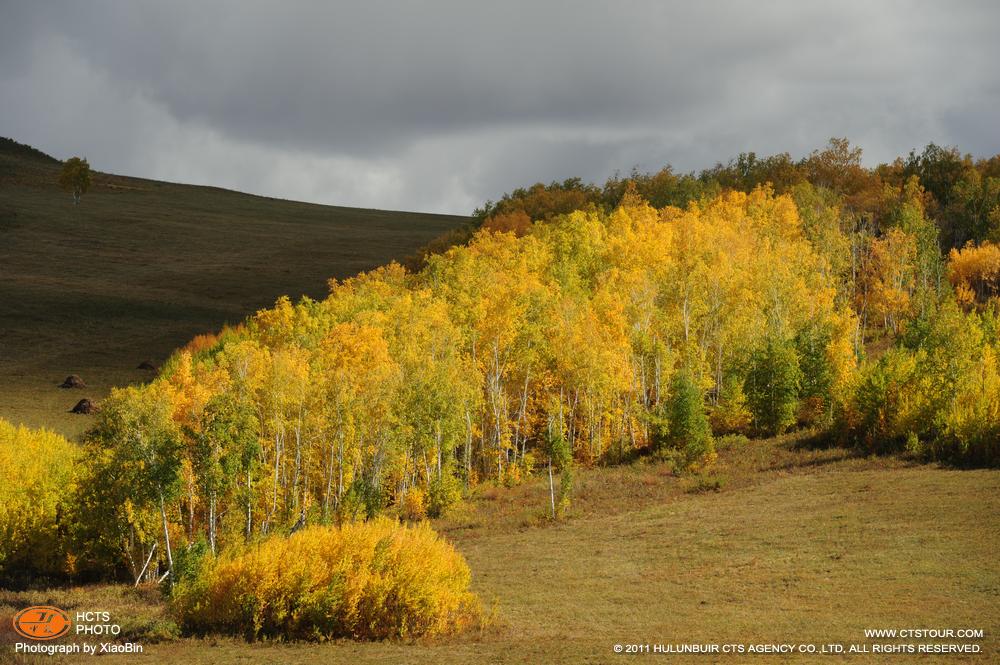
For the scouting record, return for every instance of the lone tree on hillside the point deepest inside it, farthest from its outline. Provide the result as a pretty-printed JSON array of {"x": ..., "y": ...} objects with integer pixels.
[{"x": 75, "y": 177}]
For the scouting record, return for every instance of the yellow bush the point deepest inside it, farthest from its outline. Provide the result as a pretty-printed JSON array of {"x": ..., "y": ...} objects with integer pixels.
[
  {"x": 413, "y": 506},
  {"x": 36, "y": 468},
  {"x": 371, "y": 580},
  {"x": 975, "y": 272}
]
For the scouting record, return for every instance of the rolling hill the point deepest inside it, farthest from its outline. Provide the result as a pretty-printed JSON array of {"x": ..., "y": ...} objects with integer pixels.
[{"x": 141, "y": 266}]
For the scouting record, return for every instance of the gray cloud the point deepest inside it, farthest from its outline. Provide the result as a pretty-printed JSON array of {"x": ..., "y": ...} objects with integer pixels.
[{"x": 440, "y": 105}]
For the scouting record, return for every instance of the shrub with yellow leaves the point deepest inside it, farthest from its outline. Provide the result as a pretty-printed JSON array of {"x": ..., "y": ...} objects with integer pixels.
[
  {"x": 413, "y": 506},
  {"x": 370, "y": 580},
  {"x": 37, "y": 469}
]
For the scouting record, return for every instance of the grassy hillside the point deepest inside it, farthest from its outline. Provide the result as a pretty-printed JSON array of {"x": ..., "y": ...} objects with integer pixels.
[
  {"x": 141, "y": 266},
  {"x": 798, "y": 546}
]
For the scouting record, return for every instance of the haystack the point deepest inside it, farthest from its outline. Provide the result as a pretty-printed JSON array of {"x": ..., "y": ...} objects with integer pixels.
[
  {"x": 73, "y": 381},
  {"x": 84, "y": 406}
]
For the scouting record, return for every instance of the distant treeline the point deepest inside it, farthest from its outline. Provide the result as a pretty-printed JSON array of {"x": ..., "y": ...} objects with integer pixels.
[{"x": 960, "y": 194}]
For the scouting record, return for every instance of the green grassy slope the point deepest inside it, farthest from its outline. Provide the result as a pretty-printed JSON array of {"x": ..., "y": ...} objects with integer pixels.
[
  {"x": 141, "y": 266},
  {"x": 799, "y": 546}
]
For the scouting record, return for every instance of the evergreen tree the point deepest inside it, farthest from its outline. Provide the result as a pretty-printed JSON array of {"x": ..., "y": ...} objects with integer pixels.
[{"x": 688, "y": 429}]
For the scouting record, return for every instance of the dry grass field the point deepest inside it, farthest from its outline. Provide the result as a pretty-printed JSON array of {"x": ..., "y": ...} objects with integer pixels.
[
  {"x": 798, "y": 545},
  {"x": 140, "y": 267}
]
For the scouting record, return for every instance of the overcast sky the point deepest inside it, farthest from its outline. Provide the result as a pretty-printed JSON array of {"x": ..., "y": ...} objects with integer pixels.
[{"x": 437, "y": 106}]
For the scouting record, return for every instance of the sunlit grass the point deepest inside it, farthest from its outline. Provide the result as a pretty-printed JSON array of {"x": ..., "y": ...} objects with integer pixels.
[{"x": 798, "y": 544}]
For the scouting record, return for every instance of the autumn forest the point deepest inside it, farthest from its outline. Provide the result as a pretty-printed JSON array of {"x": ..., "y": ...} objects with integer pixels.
[{"x": 571, "y": 326}]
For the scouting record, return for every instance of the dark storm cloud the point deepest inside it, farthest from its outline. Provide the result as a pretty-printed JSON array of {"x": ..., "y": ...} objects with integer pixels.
[{"x": 439, "y": 105}]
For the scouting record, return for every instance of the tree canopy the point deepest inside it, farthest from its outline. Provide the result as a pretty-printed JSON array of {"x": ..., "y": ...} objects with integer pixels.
[{"x": 75, "y": 177}]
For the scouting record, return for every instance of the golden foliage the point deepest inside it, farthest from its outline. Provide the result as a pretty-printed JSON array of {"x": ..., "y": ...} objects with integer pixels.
[
  {"x": 516, "y": 222},
  {"x": 37, "y": 472},
  {"x": 413, "y": 506},
  {"x": 399, "y": 385},
  {"x": 975, "y": 272},
  {"x": 371, "y": 580}
]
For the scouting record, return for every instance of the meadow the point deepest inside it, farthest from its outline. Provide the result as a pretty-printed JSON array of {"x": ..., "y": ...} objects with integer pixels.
[
  {"x": 797, "y": 544},
  {"x": 142, "y": 266}
]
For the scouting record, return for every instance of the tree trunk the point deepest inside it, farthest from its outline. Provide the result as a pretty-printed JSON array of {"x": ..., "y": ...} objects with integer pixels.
[
  {"x": 148, "y": 559},
  {"x": 552, "y": 490},
  {"x": 437, "y": 433},
  {"x": 468, "y": 448},
  {"x": 249, "y": 505},
  {"x": 166, "y": 533},
  {"x": 211, "y": 521},
  {"x": 329, "y": 484},
  {"x": 298, "y": 463},
  {"x": 340, "y": 471},
  {"x": 278, "y": 440}
]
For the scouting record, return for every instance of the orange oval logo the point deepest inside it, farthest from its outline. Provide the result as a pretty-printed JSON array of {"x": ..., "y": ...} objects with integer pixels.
[{"x": 41, "y": 622}]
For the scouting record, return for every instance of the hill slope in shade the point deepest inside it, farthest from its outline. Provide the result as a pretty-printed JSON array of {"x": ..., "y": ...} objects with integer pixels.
[{"x": 141, "y": 266}]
